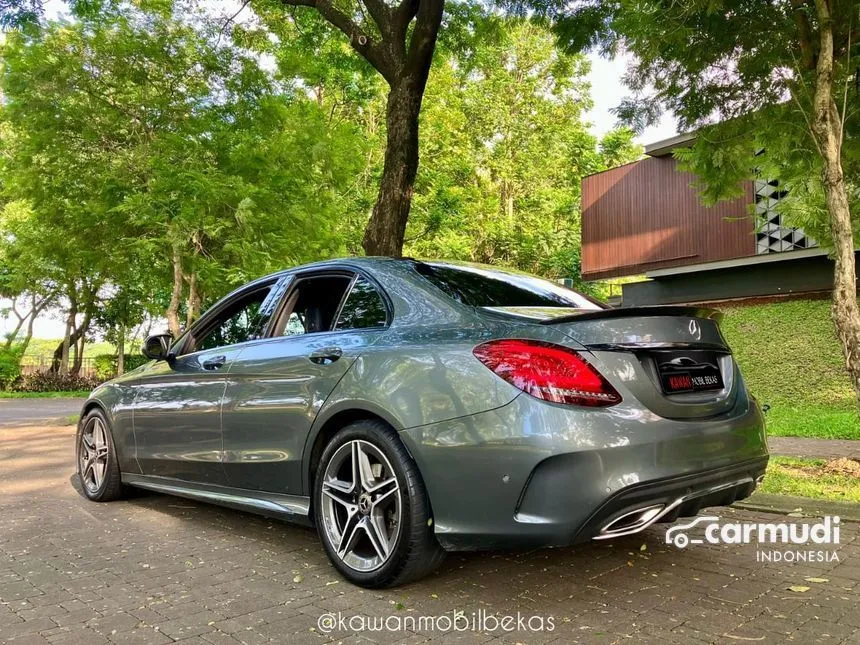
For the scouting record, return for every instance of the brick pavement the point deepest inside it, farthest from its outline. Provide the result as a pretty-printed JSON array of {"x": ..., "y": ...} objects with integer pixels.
[{"x": 156, "y": 569}]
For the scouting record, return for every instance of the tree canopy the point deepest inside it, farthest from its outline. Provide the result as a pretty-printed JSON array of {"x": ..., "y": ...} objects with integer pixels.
[
  {"x": 152, "y": 159},
  {"x": 770, "y": 89}
]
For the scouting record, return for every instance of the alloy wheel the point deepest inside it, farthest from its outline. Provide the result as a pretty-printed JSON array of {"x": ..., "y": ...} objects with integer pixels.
[
  {"x": 93, "y": 455},
  {"x": 361, "y": 505}
]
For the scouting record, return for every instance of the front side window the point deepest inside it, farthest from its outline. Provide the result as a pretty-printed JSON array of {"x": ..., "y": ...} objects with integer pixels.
[
  {"x": 241, "y": 322},
  {"x": 363, "y": 308}
]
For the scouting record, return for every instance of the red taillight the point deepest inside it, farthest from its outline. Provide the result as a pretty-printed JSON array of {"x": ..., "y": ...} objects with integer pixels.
[{"x": 546, "y": 371}]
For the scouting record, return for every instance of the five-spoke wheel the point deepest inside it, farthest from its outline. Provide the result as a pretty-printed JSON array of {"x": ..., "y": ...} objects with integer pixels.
[
  {"x": 93, "y": 454},
  {"x": 361, "y": 506},
  {"x": 371, "y": 508},
  {"x": 98, "y": 469}
]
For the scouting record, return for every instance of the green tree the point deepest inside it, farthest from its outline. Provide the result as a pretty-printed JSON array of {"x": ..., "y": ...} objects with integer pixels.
[
  {"x": 745, "y": 74},
  {"x": 135, "y": 139},
  {"x": 506, "y": 148}
]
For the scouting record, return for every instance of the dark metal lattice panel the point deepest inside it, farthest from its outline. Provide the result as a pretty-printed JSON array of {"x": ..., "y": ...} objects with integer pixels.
[{"x": 772, "y": 236}]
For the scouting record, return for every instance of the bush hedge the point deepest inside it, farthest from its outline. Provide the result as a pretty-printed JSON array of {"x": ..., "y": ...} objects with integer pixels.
[
  {"x": 10, "y": 365},
  {"x": 53, "y": 382},
  {"x": 106, "y": 364}
]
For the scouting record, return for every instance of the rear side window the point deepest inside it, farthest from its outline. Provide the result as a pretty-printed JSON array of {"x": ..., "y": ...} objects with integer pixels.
[
  {"x": 363, "y": 308},
  {"x": 482, "y": 287},
  {"x": 312, "y": 305}
]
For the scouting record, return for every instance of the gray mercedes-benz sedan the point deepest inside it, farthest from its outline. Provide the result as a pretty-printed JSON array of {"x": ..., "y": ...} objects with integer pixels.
[{"x": 407, "y": 408}]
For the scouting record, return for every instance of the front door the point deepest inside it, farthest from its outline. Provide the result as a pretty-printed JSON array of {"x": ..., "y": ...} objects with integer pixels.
[
  {"x": 177, "y": 406},
  {"x": 277, "y": 386}
]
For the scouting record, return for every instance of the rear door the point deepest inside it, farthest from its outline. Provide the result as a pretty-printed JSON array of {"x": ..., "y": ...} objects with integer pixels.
[
  {"x": 177, "y": 406},
  {"x": 277, "y": 386}
]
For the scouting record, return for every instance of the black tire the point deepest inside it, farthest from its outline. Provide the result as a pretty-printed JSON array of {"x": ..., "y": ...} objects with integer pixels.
[
  {"x": 415, "y": 551},
  {"x": 110, "y": 487}
]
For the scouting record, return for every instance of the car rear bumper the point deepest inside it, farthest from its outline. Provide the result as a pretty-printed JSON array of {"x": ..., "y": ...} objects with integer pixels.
[
  {"x": 533, "y": 474},
  {"x": 638, "y": 507}
]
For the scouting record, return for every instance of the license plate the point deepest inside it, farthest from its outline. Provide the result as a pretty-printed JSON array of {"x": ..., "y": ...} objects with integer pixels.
[{"x": 689, "y": 371}]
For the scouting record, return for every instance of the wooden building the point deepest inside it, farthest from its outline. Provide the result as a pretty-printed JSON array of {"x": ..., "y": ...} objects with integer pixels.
[{"x": 645, "y": 218}]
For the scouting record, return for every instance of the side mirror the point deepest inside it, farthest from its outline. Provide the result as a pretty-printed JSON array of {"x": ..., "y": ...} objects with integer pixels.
[{"x": 157, "y": 347}]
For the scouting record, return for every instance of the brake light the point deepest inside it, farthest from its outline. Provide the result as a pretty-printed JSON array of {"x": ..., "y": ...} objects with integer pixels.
[{"x": 547, "y": 371}]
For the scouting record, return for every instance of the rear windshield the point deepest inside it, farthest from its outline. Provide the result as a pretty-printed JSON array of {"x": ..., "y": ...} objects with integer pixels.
[{"x": 484, "y": 287}]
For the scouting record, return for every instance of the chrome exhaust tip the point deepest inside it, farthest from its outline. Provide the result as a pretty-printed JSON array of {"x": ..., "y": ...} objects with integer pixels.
[{"x": 630, "y": 522}]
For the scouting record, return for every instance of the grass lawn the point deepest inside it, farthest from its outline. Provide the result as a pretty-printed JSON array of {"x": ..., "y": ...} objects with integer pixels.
[
  {"x": 819, "y": 422},
  {"x": 46, "y": 347},
  {"x": 791, "y": 361},
  {"x": 835, "y": 480},
  {"x": 43, "y": 395}
]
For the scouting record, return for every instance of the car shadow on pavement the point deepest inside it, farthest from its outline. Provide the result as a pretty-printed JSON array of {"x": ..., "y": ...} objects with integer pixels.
[
  {"x": 242, "y": 564},
  {"x": 282, "y": 537}
]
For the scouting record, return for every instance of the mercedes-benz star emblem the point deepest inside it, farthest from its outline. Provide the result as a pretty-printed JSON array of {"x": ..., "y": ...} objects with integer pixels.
[{"x": 695, "y": 330}]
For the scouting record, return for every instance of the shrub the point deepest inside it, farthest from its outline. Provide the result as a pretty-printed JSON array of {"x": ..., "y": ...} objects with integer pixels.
[
  {"x": 105, "y": 364},
  {"x": 53, "y": 382},
  {"x": 10, "y": 365},
  {"x": 133, "y": 361}
]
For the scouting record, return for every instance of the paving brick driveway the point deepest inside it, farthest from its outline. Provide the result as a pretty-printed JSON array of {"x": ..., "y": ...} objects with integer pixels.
[{"x": 157, "y": 569}]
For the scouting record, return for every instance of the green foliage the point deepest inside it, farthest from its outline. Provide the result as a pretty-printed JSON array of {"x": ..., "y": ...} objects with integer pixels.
[
  {"x": 106, "y": 364},
  {"x": 504, "y": 150},
  {"x": 774, "y": 143},
  {"x": 5, "y": 394},
  {"x": 742, "y": 75},
  {"x": 10, "y": 365},
  {"x": 791, "y": 360},
  {"x": 20, "y": 13},
  {"x": 53, "y": 382},
  {"x": 135, "y": 133},
  {"x": 143, "y": 130}
]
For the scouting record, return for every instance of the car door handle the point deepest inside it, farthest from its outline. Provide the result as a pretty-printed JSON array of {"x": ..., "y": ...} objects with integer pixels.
[
  {"x": 214, "y": 363},
  {"x": 326, "y": 355}
]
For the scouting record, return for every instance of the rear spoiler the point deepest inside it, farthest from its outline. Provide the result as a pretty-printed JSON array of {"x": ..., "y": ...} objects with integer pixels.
[{"x": 638, "y": 312}]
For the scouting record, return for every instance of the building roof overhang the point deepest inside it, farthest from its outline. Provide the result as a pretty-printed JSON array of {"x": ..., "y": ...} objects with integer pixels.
[
  {"x": 665, "y": 147},
  {"x": 738, "y": 262}
]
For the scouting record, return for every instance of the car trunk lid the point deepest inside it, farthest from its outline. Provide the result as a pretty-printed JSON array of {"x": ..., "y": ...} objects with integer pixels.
[{"x": 673, "y": 359}]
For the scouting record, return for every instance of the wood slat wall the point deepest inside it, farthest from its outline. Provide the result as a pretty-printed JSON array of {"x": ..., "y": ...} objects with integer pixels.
[{"x": 645, "y": 215}]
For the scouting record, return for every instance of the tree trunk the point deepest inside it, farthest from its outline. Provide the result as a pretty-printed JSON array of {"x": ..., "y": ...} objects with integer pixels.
[
  {"x": 79, "y": 355},
  {"x": 193, "y": 302},
  {"x": 387, "y": 226},
  {"x": 12, "y": 335},
  {"x": 172, "y": 313},
  {"x": 61, "y": 362},
  {"x": 29, "y": 335},
  {"x": 80, "y": 340},
  {"x": 827, "y": 130},
  {"x": 120, "y": 352}
]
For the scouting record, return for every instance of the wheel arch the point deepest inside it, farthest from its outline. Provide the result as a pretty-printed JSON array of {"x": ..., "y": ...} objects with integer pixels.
[
  {"x": 327, "y": 425},
  {"x": 115, "y": 404},
  {"x": 90, "y": 405}
]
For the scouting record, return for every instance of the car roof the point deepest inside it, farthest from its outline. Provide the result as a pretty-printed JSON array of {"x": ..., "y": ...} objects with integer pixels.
[
  {"x": 356, "y": 261},
  {"x": 367, "y": 261}
]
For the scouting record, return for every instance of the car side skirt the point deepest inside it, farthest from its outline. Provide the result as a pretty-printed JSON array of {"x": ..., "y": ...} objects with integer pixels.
[{"x": 293, "y": 508}]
